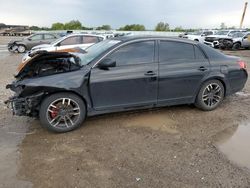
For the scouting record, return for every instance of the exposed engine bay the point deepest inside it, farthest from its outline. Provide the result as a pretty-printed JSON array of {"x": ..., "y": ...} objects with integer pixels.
[{"x": 48, "y": 63}]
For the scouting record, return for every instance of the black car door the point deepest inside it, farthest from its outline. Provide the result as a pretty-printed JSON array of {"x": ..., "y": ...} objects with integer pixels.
[
  {"x": 131, "y": 83},
  {"x": 182, "y": 66}
]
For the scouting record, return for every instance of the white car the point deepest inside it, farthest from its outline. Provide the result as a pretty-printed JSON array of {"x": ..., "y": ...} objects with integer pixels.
[
  {"x": 82, "y": 41},
  {"x": 198, "y": 36},
  {"x": 213, "y": 40}
]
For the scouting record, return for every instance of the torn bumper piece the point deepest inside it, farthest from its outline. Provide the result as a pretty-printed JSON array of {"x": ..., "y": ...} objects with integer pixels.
[{"x": 25, "y": 106}]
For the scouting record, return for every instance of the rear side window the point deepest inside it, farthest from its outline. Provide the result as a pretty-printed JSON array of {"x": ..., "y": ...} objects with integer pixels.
[
  {"x": 71, "y": 41},
  {"x": 170, "y": 50},
  {"x": 135, "y": 53},
  {"x": 211, "y": 52},
  {"x": 198, "y": 53},
  {"x": 90, "y": 39}
]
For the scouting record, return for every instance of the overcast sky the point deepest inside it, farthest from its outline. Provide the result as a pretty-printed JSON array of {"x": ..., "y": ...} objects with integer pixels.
[{"x": 185, "y": 13}]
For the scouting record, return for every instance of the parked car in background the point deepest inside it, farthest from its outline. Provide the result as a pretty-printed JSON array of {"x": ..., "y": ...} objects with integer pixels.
[
  {"x": 70, "y": 41},
  {"x": 181, "y": 35},
  {"x": 241, "y": 40},
  {"x": 33, "y": 40},
  {"x": 213, "y": 40},
  {"x": 198, "y": 36},
  {"x": 123, "y": 73}
]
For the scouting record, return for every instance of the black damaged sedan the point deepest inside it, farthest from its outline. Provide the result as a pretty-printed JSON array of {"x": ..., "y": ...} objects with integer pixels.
[{"x": 120, "y": 74}]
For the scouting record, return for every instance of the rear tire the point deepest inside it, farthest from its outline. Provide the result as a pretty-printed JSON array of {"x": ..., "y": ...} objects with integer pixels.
[
  {"x": 210, "y": 96},
  {"x": 62, "y": 112}
]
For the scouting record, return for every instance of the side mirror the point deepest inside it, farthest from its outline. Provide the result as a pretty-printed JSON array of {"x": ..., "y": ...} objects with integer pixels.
[
  {"x": 107, "y": 63},
  {"x": 59, "y": 44},
  {"x": 203, "y": 35},
  {"x": 245, "y": 37},
  {"x": 29, "y": 39}
]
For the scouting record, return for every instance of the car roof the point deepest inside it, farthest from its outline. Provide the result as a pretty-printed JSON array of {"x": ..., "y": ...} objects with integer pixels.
[
  {"x": 83, "y": 34},
  {"x": 153, "y": 37}
]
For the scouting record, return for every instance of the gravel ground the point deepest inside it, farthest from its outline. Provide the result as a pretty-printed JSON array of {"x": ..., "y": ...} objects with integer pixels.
[{"x": 167, "y": 147}]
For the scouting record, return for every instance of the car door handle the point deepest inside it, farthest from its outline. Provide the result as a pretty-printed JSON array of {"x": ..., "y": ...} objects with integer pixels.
[
  {"x": 202, "y": 68},
  {"x": 150, "y": 73}
]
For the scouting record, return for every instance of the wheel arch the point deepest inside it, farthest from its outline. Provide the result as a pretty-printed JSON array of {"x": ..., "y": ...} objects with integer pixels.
[
  {"x": 21, "y": 43},
  {"x": 219, "y": 78},
  {"x": 239, "y": 42},
  {"x": 65, "y": 91}
]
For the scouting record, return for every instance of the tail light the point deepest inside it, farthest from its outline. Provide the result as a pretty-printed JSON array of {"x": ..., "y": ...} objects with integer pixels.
[{"x": 242, "y": 64}]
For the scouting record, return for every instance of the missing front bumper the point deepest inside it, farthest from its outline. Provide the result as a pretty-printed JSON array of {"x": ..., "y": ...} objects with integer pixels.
[{"x": 25, "y": 106}]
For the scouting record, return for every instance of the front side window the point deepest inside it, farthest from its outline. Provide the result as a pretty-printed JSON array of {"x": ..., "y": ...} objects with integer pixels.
[
  {"x": 36, "y": 37},
  {"x": 170, "y": 50},
  {"x": 208, "y": 33},
  {"x": 71, "y": 41},
  {"x": 135, "y": 53}
]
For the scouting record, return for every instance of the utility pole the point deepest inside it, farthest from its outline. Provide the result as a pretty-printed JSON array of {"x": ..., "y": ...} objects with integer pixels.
[{"x": 243, "y": 15}]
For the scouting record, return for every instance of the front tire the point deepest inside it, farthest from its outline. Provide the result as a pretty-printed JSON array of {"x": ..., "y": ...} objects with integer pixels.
[
  {"x": 236, "y": 46},
  {"x": 62, "y": 112},
  {"x": 210, "y": 95},
  {"x": 21, "y": 48}
]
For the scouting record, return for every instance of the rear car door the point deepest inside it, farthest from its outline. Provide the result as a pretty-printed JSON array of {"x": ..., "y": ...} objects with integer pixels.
[
  {"x": 88, "y": 41},
  {"x": 131, "y": 83},
  {"x": 70, "y": 42},
  {"x": 48, "y": 38},
  {"x": 182, "y": 66},
  {"x": 35, "y": 40}
]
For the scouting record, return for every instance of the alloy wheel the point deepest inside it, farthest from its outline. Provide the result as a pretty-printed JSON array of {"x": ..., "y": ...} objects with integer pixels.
[
  {"x": 21, "y": 49},
  {"x": 63, "y": 112},
  {"x": 212, "y": 94}
]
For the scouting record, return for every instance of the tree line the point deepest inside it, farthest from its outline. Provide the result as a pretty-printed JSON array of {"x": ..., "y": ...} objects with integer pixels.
[{"x": 77, "y": 25}]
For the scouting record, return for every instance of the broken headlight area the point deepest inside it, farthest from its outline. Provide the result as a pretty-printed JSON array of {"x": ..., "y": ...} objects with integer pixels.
[
  {"x": 16, "y": 88},
  {"x": 25, "y": 106}
]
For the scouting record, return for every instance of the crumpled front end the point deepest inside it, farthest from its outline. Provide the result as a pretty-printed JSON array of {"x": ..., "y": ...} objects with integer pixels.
[
  {"x": 40, "y": 76},
  {"x": 25, "y": 106}
]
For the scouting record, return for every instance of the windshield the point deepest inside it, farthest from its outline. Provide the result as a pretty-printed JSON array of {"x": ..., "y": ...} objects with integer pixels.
[
  {"x": 238, "y": 35},
  {"x": 96, "y": 50},
  {"x": 222, "y": 33}
]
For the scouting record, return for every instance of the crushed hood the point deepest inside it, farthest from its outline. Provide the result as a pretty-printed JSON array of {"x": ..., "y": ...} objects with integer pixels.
[{"x": 42, "y": 58}]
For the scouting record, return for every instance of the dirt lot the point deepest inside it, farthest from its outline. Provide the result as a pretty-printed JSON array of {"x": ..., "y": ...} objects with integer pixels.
[{"x": 168, "y": 147}]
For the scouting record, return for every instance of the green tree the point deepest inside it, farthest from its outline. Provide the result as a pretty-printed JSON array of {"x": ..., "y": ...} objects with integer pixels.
[
  {"x": 178, "y": 29},
  {"x": 133, "y": 27},
  {"x": 35, "y": 28},
  {"x": 104, "y": 27},
  {"x": 223, "y": 25},
  {"x": 161, "y": 26},
  {"x": 57, "y": 26},
  {"x": 73, "y": 25}
]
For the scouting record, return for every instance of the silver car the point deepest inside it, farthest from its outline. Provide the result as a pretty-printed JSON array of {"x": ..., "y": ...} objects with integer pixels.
[{"x": 242, "y": 41}]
